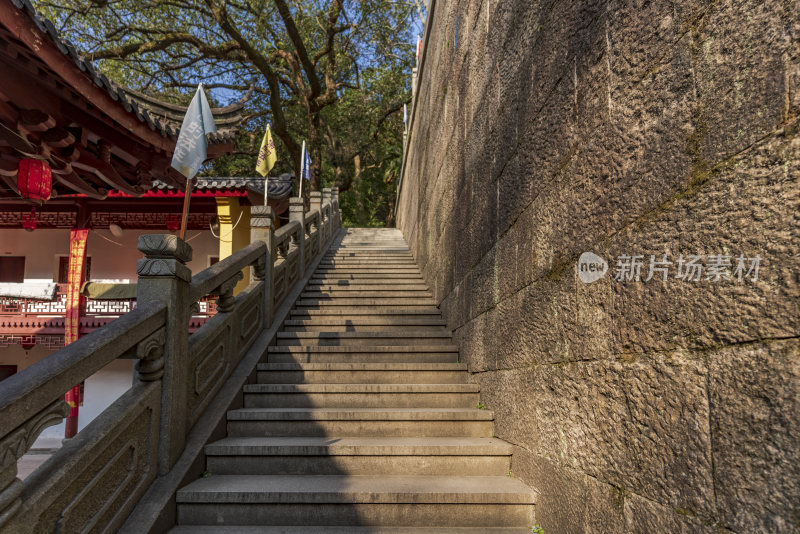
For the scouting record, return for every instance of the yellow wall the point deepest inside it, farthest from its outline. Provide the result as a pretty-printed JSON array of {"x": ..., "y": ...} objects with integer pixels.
[{"x": 234, "y": 232}]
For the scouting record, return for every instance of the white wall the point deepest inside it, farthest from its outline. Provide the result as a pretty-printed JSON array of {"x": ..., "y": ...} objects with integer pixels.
[
  {"x": 100, "y": 389},
  {"x": 110, "y": 261},
  {"x": 41, "y": 249}
]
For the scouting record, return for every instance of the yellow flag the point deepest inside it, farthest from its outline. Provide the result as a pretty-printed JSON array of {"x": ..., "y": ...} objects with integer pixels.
[{"x": 267, "y": 155}]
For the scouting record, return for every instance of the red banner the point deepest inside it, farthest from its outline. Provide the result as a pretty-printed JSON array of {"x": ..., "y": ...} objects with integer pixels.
[
  {"x": 72, "y": 320},
  {"x": 77, "y": 269}
]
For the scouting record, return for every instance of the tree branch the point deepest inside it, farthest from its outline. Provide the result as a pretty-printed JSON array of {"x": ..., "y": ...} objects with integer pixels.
[{"x": 300, "y": 47}]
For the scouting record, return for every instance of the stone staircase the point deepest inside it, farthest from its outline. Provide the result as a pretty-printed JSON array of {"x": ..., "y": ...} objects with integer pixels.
[{"x": 361, "y": 419}]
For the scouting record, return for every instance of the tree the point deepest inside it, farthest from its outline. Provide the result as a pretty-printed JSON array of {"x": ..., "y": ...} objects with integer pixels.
[{"x": 334, "y": 72}]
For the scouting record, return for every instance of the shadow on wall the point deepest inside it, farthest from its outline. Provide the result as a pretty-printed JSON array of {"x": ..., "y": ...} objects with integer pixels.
[{"x": 645, "y": 129}]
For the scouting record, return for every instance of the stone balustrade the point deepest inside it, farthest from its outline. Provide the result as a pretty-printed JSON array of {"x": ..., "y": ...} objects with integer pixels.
[{"x": 98, "y": 477}]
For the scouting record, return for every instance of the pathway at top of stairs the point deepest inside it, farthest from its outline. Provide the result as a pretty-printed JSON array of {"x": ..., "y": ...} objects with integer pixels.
[{"x": 362, "y": 419}]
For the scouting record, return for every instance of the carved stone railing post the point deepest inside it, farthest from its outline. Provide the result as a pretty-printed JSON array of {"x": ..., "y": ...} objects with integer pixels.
[
  {"x": 262, "y": 229},
  {"x": 163, "y": 276},
  {"x": 296, "y": 213},
  {"x": 326, "y": 197},
  {"x": 316, "y": 204},
  {"x": 337, "y": 216}
]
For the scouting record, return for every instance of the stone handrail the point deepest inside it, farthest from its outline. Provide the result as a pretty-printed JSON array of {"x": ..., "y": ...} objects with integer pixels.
[
  {"x": 210, "y": 280},
  {"x": 94, "y": 481},
  {"x": 286, "y": 260},
  {"x": 29, "y": 392},
  {"x": 312, "y": 232}
]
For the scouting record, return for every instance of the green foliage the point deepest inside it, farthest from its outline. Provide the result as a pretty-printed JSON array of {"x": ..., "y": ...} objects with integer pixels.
[
  {"x": 335, "y": 73},
  {"x": 481, "y": 406},
  {"x": 536, "y": 529}
]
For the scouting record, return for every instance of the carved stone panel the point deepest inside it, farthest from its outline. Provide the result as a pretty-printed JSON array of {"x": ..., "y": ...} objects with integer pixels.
[
  {"x": 94, "y": 481},
  {"x": 210, "y": 349}
]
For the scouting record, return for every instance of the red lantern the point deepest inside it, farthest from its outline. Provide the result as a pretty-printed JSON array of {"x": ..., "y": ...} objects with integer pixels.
[{"x": 34, "y": 180}]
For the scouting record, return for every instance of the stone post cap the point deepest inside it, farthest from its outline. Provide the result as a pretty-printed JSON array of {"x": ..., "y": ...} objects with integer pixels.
[
  {"x": 326, "y": 193},
  {"x": 296, "y": 208},
  {"x": 261, "y": 216},
  {"x": 165, "y": 246},
  {"x": 262, "y": 211},
  {"x": 315, "y": 194}
]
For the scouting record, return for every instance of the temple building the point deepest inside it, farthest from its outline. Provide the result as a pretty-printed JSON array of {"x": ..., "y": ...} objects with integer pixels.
[{"x": 84, "y": 170}]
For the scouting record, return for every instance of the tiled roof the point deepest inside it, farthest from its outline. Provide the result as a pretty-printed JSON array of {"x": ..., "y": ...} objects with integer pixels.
[
  {"x": 279, "y": 186},
  {"x": 162, "y": 117}
]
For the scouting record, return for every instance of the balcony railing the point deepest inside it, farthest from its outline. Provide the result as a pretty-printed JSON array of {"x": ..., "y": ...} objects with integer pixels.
[{"x": 57, "y": 307}]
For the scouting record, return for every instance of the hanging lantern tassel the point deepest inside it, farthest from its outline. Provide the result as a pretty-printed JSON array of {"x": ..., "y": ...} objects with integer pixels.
[
  {"x": 34, "y": 180},
  {"x": 29, "y": 221}
]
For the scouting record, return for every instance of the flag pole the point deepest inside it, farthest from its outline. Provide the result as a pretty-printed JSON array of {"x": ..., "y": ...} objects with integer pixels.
[
  {"x": 302, "y": 170},
  {"x": 185, "y": 215}
]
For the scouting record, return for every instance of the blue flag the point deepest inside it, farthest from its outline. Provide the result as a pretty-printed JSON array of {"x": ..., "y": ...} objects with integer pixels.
[
  {"x": 190, "y": 150},
  {"x": 306, "y": 163}
]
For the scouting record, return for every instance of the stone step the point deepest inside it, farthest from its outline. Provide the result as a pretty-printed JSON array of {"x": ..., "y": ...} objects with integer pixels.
[
  {"x": 360, "y": 249},
  {"x": 354, "y": 311},
  {"x": 361, "y": 373},
  {"x": 369, "y": 255},
  {"x": 363, "y": 354},
  {"x": 367, "y": 269},
  {"x": 361, "y": 395},
  {"x": 310, "y": 293},
  {"x": 362, "y": 500},
  {"x": 382, "y": 262},
  {"x": 360, "y": 422},
  {"x": 407, "y": 337},
  {"x": 415, "y": 302},
  {"x": 381, "y": 323},
  {"x": 368, "y": 266},
  {"x": 358, "y": 456},
  {"x": 308, "y": 529},
  {"x": 371, "y": 287},
  {"x": 386, "y": 278},
  {"x": 355, "y": 257},
  {"x": 375, "y": 258},
  {"x": 361, "y": 311},
  {"x": 367, "y": 283}
]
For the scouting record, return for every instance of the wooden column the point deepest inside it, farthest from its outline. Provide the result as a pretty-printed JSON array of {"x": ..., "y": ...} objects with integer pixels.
[{"x": 72, "y": 318}]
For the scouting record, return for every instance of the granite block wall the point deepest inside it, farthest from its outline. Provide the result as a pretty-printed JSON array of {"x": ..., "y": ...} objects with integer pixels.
[{"x": 661, "y": 129}]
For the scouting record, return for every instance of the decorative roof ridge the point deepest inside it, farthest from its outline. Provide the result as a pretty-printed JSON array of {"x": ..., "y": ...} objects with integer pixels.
[
  {"x": 223, "y": 116},
  {"x": 132, "y": 101},
  {"x": 228, "y": 181}
]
